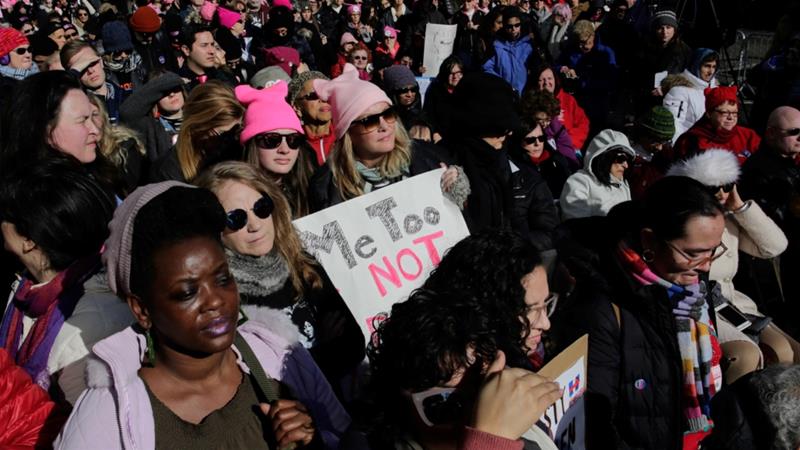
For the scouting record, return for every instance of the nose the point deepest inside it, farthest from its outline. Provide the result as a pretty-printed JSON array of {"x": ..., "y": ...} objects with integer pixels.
[
  {"x": 252, "y": 222},
  {"x": 93, "y": 128},
  {"x": 624, "y": 164},
  {"x": 211, "y": 300},
  {"x": 705, "y": 266},
  {"x": 283, "y": 148}
]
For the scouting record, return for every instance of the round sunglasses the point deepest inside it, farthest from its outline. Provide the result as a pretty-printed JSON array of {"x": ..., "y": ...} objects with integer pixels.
[
  {"x": 236, "y": 219},
  {"x": 271, "y": 141}
]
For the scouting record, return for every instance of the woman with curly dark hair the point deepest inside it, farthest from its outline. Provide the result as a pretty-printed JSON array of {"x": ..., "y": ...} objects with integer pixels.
[
  {"x": 505, "y": 273},
  {"x": 543, "y": 107}
]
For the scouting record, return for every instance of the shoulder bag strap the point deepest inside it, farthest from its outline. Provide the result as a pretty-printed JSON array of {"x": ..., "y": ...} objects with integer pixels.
[{"x": 269, "y": 387}]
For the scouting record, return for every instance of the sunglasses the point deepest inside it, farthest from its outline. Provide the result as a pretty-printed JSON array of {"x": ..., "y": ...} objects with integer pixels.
[
  {"x": 71, "y": 35},
  {"x": 310, "y": 97},
  {"x": 236, "y": 219},
  {"x": 621, "y": 158},
  {"x": 407, "y": 90},
  {"x": 510, "y": 26},
  {"x": 437, "y": 405},
  {"x": 787, "y": 132},
  {"x": 530, "y": 140},
  {"x": 22, "y": 50},
  {"x": 360, "y": 58},
  {"x": 726, "y": 188},
  {"x": 119, "y": 53},
  {"x": 271, "y": 141},
  {"x": 371, "y": 123}
]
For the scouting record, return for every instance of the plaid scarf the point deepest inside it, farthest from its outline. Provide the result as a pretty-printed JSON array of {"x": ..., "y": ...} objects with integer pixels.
[
  {"x": 50, "y": 304},
  {"x": 697, "y": 339}
]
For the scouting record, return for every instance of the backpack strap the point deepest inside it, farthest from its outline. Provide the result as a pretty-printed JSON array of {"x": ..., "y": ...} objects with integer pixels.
[{"x": 267, "y": 386}]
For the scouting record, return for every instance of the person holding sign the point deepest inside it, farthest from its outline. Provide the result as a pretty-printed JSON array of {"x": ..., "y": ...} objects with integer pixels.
[
  {"x": 439, "y": 380},
  {"x": 274, "y": 274},
  {"x": 642, "y": 295},
  {"x": 372, "y": 147}
]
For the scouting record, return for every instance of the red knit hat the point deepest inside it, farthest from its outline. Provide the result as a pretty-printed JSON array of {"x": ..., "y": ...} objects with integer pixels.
[
  {"x": 145, "y": 20},
  {"x": 10, "y": 39},
  {"x": 720, "y": 95}
]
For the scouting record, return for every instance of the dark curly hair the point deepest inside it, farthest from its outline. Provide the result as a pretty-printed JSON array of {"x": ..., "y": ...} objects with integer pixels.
[
  {"x": 534, "y": 101},
  {"x": 422, "y": 345},
  {"x": 490, "y": 266}
]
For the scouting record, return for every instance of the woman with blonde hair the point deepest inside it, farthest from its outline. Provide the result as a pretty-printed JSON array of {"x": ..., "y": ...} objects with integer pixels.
[
  {"x": 209, "y": 134},
  {"x": 275, "y": 142},
  {"x": 372, "y": 148},
  {"x": 120, "y": 145},
  {"x": 273, "y": 273}
]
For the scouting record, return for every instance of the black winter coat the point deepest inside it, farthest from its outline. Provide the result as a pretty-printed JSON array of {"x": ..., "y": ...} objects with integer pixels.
[{"x": 633, "y": 398}]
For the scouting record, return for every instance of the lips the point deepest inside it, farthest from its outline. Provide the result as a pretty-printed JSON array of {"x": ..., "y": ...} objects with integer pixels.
[{"x": 219, "y": 326}]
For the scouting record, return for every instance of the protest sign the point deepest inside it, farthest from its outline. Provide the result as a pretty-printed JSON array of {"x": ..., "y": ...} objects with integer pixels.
[
  {"x": 565, "y": 420},
  {"x": 439, "y": 40},
  {"x": 378, "y": 247}
]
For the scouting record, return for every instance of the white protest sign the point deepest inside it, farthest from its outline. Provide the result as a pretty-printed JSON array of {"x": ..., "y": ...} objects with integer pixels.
[
  {"x": 565, "y": 420},
  {"x": 439, "y": 40},
  {"x": 378, "y": 247}
]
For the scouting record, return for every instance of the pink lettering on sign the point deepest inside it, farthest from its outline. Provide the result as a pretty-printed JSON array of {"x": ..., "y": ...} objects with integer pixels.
[{"x": 407, "y": 261}]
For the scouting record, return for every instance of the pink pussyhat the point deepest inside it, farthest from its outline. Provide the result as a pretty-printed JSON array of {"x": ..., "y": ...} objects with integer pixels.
[
  {"x": 286, "y": 3},
  {"x": 349, "y": 97},
  {"x": 390, "y": 32},
  {"x": 207, "y": 11},
  {"x": 228, "y": 18},
  {"x": 267, "y": 110}
]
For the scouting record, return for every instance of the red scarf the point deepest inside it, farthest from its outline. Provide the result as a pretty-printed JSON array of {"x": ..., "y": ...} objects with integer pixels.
[{"x": 542, "y": 158}]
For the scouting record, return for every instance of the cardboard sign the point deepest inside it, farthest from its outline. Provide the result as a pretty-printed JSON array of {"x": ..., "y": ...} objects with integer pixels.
[
  {"x": 565, "y": 420},
  {"x": 378, "y": 247},
  {"x": 439, "y": 41}
]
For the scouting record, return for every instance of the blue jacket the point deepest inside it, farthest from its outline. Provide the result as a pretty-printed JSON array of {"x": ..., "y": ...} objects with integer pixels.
[{"x": 510, "y": 61}]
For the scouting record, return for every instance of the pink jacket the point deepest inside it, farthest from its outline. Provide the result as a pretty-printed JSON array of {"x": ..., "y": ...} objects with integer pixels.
[{"x": 115, "y": 413}]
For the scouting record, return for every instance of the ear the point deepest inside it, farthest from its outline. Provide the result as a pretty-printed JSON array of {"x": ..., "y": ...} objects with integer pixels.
[
  {"x": 298, "y": 111},
  {"x": 648, "y": 238},
  {"x": 185, "y": 50},
  {"x": 28, "y": 245},
  {"x": 139, "y": 310}
]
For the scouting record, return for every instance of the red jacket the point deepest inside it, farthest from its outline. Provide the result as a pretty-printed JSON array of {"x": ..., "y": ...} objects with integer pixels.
[
  {"x": 24, "y": 409},
  {"x": 743, "y": 142},
  {"x": 573, "y": 117},
  {"x": 322, "y": 145}
]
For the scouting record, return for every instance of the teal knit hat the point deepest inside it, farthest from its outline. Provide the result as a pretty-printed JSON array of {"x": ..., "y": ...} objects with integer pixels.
[{"x": 658, "y": 123}]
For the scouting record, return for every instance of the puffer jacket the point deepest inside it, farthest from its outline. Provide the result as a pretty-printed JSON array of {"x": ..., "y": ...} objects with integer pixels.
[
  {"x": 584, "y": 195},
  {"x": 115, "y": 411},
  {"x": 687, "y": 103},
  {"x": 511, "y": 61},
  {"x": 25, "y": 411}
]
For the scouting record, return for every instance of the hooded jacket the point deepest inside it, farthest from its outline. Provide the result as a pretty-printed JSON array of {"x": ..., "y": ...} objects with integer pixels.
[
  {"x": 510, "y": 61},
  {"x": 584, "y": 195},
  {"x": 688, "y": 104},
  {"x": 115, "y": 411}
]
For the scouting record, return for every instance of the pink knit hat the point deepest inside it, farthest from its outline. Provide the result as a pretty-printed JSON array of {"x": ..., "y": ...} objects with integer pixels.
[
  {"x": 347, "y": 37},
  {"x": 267, "y": 110},
  {"x": 286, "y": 3},
  {"x": 207, "y": 11},
  {"x": 228, "y": 18},
  {"x": 354, "y": 9},
  {"x": 349, "y": 97},
  {"x": 390, "y": 32}
]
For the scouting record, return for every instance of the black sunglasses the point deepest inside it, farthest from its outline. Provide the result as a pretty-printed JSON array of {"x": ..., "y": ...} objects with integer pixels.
[
  {"x": 726, "y": 188},
  {"x": 406, "y": 90},
  {"x": 620, "y": 158},
  {"x": 530, "y": 140},
  {"x": 236, "y": 220},
  {"x": 119, "y": 53},
  {"x": 271, "y": 141},
  {"x": 310, "y": 97},
  {"x": 22, "y": 50},
  {"x": 371, "y": 123},
  {"x": 513, "y": 25},
  {"x": 788, "y": 132}
]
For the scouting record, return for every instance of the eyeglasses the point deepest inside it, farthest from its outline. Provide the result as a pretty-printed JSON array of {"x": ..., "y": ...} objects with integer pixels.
[
  {"x": 310, "y": 97},
  {"x": 71, "y": 35},
  {"x": 437, "y": 405},
  {"x": 531, "y": 140},
  {"x": 549, "y": 306},
  {"x": 696, "y": 261},
  {"x": 511, "y": 26},
  {"x": 119, "y": 53},
  {"x": 83, "y": 14},
  {"x": 407, "y": 90},
  {"x": 726, "y": 188},
  {"x": 236, "y": 219},
  {"x": 271, "y": 141},
  {"x": 22, "y": 50},
  {"x": 371, "y": 122},
  {"x": 456, "y": 73},
  {"x": 728, "y": 114}
]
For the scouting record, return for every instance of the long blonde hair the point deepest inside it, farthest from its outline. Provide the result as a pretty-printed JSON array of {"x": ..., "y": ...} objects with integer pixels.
[
  {"x": 301, "y": 266},
  {"x": 209, "y": 106},
  {"x": 114, "y": 136},
  {"x": 346, "y": 178},
  {"x": 295, "y": 183}
]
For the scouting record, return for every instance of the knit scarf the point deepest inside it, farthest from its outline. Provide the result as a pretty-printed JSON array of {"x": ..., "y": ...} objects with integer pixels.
[
  {"x": 127, "y": 66},
  {"x": 50, "y": 305},
  {"x": 695, "y": 336},
  {"x": 258, "y": 276},
  {"x": 18, "y": 74},
  {"x": 375, "y": 180}
]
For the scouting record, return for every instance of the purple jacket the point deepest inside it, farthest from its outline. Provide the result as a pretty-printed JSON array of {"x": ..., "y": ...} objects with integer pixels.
[
  {"x": 560, "y": 140},
  {"x": 114, "y": 412}
]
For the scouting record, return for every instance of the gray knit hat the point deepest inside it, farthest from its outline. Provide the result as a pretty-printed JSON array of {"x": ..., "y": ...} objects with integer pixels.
[
  {"x": 299, "y": 80},
  {"x": 268, "y": 75},
  {"x": 664, "y": 17},
  {"x": 117, "y": 254},
  {"x": 397, "y": 77}
]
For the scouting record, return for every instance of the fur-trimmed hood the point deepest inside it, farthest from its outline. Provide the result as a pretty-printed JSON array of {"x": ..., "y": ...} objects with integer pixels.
[{"x": 715, "y": 167}]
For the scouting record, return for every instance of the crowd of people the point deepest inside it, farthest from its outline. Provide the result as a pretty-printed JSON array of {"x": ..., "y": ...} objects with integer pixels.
[{"x": 154, "y": 154}]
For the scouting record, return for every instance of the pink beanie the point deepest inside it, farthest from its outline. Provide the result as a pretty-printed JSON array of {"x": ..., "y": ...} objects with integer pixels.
[
  {"x": 207, "y": 11},
  {"x": 349, "y": 97},
  {"x": 354, "y": 9},
  {"x": 390, "y": 32},
  {"x": 347, "y": 37},
  {"x": 228, "y": 18},
  {"x": 267, "y": 110},
  {"x": 286, "y": 3}
]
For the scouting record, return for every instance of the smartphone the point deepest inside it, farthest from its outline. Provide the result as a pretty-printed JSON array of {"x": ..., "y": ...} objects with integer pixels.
[{"x": 733, "y": 316}]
